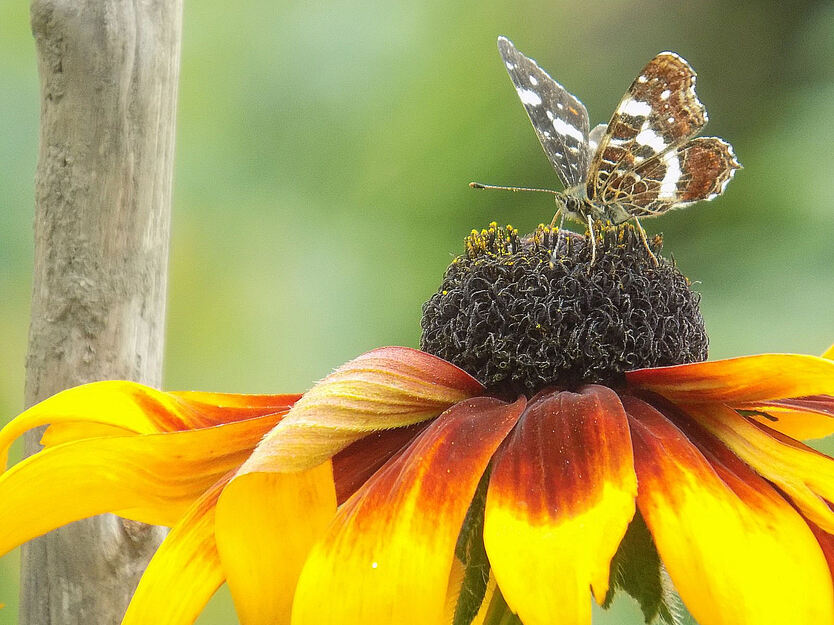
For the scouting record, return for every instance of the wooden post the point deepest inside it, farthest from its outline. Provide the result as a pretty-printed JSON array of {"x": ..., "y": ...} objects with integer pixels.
[{"x": 108, "y": 75}]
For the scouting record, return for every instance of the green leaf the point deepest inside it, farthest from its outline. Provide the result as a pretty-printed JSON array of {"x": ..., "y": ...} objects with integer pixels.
[
  {"x": 470, "y": 550},
  {"x": 499, "y": 613},
  {"x": 636, "y": 569}
]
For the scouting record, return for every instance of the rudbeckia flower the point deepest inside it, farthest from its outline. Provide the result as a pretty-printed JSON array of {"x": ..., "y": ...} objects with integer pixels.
[{"x": 558, "y": 437}]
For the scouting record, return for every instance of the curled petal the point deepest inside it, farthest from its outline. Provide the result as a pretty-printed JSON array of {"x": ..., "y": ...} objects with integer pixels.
[
  {"x": 739, "y": 380},
  {"x": 389, "y": 552},
  {"x": 266, "y": 523},
  {"x": 152, "y": 478},
  {"x": 560, "y": 499},
  {"x": 184, "y": 572},
  {"x": 801, "y": 418},
  {"x": 737, "y": 552},
  {"x": 803, "y": 474},
  {"x": 386, "y": 388},
  {"x": 117, "y": 407}
]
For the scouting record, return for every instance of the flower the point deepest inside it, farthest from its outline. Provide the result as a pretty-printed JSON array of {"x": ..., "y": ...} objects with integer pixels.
[{"x": 384, "y": 493}]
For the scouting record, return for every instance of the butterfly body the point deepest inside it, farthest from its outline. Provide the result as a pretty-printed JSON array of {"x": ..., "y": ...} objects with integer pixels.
[{"x": 645, "y": 161}]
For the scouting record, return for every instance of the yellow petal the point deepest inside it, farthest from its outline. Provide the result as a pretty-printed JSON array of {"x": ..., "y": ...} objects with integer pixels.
[
  {"x": 829, "y": 353},
  {"x": 266, "y": 524},
  {"x": 157, "y": 474},
  {"x": 805, "y": 475},
  {"x": 736, "y": 551},
  {"x": 800, "y": 418},
  {"x": 388, "y": 554},
  {"x": 560, "y": 499},
  {"x": 386, "y": 388},
  {"x": 184, "y": 572},
  {"x": 116, "y": 407},
  {"x": 739, "y": 380}
]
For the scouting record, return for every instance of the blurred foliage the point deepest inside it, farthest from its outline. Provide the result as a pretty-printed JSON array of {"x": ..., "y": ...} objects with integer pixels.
[{"x": 324, "y": 151}]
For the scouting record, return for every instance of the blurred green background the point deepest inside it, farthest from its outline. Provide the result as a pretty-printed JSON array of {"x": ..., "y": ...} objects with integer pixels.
[{"x": 324, "y": 151}]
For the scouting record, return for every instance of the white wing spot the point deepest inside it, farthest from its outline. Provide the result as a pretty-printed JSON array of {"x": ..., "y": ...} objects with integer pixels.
[
  {"x": 560, "y": 106},
  {"x": 550, "y": 115},
  {"x": 642, "y": 79},
  {"x": 664, "y": 95},
  {"x": 510, "y": 66},
  {"x": 636, "y": 108},
  {"x": 529, "y": 97},
  {"x": 565, "y": 129},
  {"x": 533, "y": 80},
  {"x": 669, "y": 184},
  {"x": 671, "y": 120},
  {"x": 650, "y": 138}
]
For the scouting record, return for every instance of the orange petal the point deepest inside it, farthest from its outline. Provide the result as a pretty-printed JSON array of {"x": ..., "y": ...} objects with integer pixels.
[
  {"x": 155, "y": 476},
  {"x": 388, "y": 554},
  {"x": 801, "y": 418},
  {"x": 184, "y": 572},
  {"x": 266, "y": 524},
  {"x": 116, "y": 407},
  {"x": 740, "y": 380},
  {"x": 560, "y": 498},
  {"x": 359, "y": 461},
  {"x": 737, "y": 552},
  {"x": 803, "y": 474},
  {"x": 386, "y": 388}
]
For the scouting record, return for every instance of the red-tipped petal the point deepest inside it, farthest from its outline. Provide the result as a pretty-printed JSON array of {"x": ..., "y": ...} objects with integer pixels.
[
  {"x": 149, "y": 477},
  {"x": 386, "y": 388},
  {"x": 389, "y": 552},
  {"x": 805, "y": 475},
  {"x": 560, "y": 499},
  {"x": 184, "y": 572},
  {"x": 736, "y": 553},
  {"x": 739, "y": 380}
]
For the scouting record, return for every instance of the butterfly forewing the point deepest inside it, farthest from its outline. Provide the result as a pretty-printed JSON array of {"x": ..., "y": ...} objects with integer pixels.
[
  {"x": 559, "y": 119},
  {"x": 658, "y": 113}
]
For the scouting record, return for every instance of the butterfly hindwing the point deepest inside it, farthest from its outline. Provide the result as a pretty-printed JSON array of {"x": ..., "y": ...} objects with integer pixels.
[
  {"x": 559, "y": 119},
  {"x": 658, "y": 113}
]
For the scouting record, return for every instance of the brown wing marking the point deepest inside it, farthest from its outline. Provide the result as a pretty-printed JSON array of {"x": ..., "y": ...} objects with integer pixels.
[
  {"x": 698, "y": 170},
  {"x": 658, "y": 112}
]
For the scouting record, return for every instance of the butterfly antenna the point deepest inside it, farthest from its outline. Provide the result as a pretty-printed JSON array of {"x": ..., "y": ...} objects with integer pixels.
[{"x": 478, "y": 185}]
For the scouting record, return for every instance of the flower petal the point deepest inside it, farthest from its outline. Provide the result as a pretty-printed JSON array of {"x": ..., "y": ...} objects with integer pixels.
[
  {"x": 829, "y": 353},
  {"x": 739, "y": 380},
  {"x": 737, "y": 553},
  {"x": 150, "y": 477},
  {"x": 355, "y": 464},
  {"x": 804, "y": 474},
  {"x": 386, "y": 388},
  {"x": 388, "y": 554},
  {"x": 117, "y": 407},
  {"x": 266, "y": 523},
  {"x": 184, "y": 572},
  {"x": 560, "y": 498},
  {"x": 801, "y": 418}
]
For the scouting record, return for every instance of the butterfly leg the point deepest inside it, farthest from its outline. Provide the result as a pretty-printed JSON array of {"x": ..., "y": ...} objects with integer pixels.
[
  {"x": 645, "y": 241},
  {"x": 593, "y": 241},
  {"x": 560, "y": 214}
]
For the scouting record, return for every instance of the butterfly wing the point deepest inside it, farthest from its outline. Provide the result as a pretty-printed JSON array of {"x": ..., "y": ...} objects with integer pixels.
[
  {"x": 698, "y": 170},
  {"x": 559, "y": 119},
  {"x": 637, "y": 165}
]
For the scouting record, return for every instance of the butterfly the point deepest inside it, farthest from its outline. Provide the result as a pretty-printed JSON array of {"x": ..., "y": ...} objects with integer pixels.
[{"x": 644, "y": 162}]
